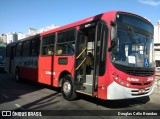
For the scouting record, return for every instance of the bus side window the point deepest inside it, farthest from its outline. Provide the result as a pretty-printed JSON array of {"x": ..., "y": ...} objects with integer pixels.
[
  {"x": 59, "y": 50},
  {"x": 66, "y": 42},
  {"x": 26, "y": 48},
  {"x": 35, "y": 47},
  {"x": 47, "y": 47},
  {"x": 8, "y": 51},
  {"x": 18, "y": 49}
]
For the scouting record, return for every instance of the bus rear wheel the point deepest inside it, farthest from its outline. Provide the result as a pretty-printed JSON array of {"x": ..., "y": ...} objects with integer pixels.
[{"x": 67, "y": 88}]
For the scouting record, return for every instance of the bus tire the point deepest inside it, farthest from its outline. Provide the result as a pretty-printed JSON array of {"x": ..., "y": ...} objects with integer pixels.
[
  {"x": 67, "y": 88},
  {"x": 17, "y": 76}
]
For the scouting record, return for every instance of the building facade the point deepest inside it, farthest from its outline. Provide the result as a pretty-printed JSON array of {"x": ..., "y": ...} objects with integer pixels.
[
  {"x": 157, "y": 43},
  {"x": 48, "y": 28},
  {"x": 3, "y": 38},
  {"x": 12, "y": 37},
  {"x": 21, "y": 36}
]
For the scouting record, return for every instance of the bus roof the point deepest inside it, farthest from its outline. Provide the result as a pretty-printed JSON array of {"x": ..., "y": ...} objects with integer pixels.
[
  {"x": 25, "y": 39},
  {"x": 74, "y": 24},
  {"x": 109, "y": 15}
]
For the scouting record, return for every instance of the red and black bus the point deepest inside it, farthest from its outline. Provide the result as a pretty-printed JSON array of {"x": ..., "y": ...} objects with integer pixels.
[{"x": 108, "y": 56}]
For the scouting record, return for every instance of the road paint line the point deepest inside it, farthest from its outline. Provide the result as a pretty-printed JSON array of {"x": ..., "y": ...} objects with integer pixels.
[
  {"x": 19, "y": 106},
  {"x": 4, "y": 95}
]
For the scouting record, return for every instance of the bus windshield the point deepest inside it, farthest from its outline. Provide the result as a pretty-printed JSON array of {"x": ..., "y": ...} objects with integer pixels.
[
  {"x": 135, "y": 21},
  {"x": 132, "y": 48}
]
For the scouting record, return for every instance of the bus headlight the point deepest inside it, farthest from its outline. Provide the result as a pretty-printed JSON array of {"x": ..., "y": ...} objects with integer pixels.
[
  {"x": 116, "y": 77},
  {"x": 121, "y": 82}
]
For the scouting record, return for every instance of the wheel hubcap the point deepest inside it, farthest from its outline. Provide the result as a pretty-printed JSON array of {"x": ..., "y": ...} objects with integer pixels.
[{"x": 67, "y": 87}]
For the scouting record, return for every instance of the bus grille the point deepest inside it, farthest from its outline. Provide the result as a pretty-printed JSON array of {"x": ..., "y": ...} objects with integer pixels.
[
  {"x": 136, "y": 92},
  {"x": 140, "y": 84},
  {"x": 139, "y": 72}
]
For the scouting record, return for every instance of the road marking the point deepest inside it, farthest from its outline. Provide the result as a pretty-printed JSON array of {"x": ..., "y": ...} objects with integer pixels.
[
  {"x": 4, "y": 95},
  {"x": 19, "y": 106}
]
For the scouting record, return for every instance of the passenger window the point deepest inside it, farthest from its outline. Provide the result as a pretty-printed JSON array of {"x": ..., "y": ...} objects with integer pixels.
[
  {"x": 26, "y": 48},
  {"x": 48, "y": 45},
  {"x": 66, "y": 42},
  {"x": 8, "y": 50},
  {"x": 19, "y": 49},
  {"x": 35, "y": 47}
]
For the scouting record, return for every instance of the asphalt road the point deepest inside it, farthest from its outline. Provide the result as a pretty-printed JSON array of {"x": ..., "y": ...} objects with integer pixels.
[{"x": 32, "y": 96}]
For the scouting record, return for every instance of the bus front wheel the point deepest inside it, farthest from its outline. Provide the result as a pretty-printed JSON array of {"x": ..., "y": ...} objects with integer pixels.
[{"x": 67, "y": 88}]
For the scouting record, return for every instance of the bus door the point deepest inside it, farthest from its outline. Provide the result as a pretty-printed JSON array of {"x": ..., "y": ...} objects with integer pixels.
[
  {"x": 46, "y": 59},
  {"x": 90, "y": 57}
]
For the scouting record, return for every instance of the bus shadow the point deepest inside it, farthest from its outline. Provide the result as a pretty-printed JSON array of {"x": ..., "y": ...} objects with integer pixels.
[
  {"x": 15, "y": 90},
  {"x": 115, "y": 103},
  {"x": 42, "y": 103}
]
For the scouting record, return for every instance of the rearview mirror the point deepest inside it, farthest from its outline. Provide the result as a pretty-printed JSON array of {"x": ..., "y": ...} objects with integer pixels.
[
  {"x": 112, "y": 23},
  {"x": 113, "y": 44}
]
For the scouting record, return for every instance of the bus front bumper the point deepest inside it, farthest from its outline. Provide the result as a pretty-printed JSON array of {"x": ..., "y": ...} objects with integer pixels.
[{"x": 116, "y": 91}]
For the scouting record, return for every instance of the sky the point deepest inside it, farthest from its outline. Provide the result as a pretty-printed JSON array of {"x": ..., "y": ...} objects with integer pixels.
[{"x": 20, "y": 15}]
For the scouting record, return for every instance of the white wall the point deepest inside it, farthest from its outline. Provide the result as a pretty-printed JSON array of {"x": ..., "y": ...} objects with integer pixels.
[
  {"x": 11, "y": 37},
  {"x": 157, "y": 34},
  {"x": 157, "y": 40}
]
